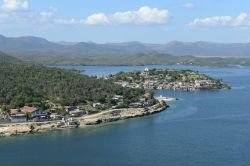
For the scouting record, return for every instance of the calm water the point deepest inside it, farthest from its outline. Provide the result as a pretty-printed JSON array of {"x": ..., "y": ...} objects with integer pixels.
[{"x": 207, "y": 128}]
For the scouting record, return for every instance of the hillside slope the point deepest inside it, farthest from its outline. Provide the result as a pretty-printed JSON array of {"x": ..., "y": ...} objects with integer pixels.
[
  {"x": 7, "y": 58},
  {"x": 23, "y": 84},
  {"x": 41, "y": 51}
]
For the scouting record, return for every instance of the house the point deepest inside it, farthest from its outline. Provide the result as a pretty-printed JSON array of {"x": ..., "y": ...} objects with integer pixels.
[
  {"x": 55, "y": 116},
  {"x": 97, "y": 105},
  {"x": 31, "y": 110},
  {"x": 142, "y": 100},
  {"x": 41, "y": 117},
  {"x": 18, "y": 118},
  {"x": 122, "y": 83},
  {"x": 150, "y": 102},
  {"x": 136, "y": 105},
  {"x": 202, "y": 83},
  {"x": 69, "y": 108},
  {"x": 54, "y": 107},
  {"x": 13, "y": 112},
  {"x": 76, "y": 113}
]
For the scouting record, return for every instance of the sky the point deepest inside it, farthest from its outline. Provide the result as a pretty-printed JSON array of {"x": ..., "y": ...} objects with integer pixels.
[{"x": 109, "y": 21}]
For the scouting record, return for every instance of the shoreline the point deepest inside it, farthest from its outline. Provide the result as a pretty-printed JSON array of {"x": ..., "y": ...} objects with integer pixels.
[{"x": 15, "y": 129}]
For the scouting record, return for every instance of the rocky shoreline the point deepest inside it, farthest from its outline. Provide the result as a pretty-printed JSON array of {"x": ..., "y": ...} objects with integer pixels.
[{"x": 102, "y": 117}]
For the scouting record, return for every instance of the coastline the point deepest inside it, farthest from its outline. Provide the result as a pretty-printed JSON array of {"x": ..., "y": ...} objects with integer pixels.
[{"x": 14, "y": 129}]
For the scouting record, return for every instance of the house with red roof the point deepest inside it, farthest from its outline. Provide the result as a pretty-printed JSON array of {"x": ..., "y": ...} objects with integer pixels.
[
  {"x": 17, "y": 116},
  {"x": 13, "y": 112},
  {"x": 32, "y": 110}
]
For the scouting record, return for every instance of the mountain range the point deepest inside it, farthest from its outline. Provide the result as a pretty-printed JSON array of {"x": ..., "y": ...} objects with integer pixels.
[
  {"x": 40, "y": 50},
  {"x": 36, "y": 44}
]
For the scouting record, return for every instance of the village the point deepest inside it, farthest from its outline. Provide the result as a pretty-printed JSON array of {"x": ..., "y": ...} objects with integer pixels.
[
  {"x": 185, "y": 80},
  {"x": 31, "y": 120},
  {"x": 67, "y": 114}
]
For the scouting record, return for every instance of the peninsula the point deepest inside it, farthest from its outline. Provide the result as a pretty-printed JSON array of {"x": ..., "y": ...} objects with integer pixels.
[
  {"x": 36, "y": 98},
  {"x": 186, "y": 80}
]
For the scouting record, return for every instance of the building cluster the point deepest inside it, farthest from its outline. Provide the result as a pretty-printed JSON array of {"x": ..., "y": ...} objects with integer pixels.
[
  {"x": 37, "y": 114},
  {"x": 144, "y": 101},
  {"x": 22, "y": 115},
  {"x": 188, "y": 81}
]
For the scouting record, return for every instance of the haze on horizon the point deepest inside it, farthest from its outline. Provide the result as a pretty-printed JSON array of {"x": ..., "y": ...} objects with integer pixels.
[{"x": 112, "y": 21}]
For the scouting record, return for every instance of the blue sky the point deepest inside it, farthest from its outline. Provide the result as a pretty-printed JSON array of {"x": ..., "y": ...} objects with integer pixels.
[{"x": 151, "y": 21}]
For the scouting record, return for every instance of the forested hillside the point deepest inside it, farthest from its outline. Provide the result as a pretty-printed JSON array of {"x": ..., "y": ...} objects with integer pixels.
[
  {"x": 5, "y": 57},
  {"x": 23, "y": 84},
  {"x": 137, "y": 59}
]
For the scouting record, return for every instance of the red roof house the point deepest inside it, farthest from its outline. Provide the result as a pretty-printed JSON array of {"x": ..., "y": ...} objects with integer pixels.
[{"x": 28, "y": 109}]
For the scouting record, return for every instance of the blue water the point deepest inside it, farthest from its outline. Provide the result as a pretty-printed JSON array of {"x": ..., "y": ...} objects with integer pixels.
[{"x": 203, "y": 128}]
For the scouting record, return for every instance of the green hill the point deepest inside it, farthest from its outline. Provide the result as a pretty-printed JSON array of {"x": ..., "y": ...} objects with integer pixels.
[{"x": 24, "y": 84}]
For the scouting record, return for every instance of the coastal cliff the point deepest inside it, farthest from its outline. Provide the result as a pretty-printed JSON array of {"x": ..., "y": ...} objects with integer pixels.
[{"x": 119, "y": 114}]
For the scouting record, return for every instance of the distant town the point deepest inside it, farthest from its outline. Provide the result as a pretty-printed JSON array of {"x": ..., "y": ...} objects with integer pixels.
[{"x": 185, "y": 80}]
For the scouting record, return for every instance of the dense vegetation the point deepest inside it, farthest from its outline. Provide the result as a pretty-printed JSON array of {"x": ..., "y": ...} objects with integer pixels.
[
  {"x": 136, "y": 59},
  {"x": 23, "y": 84}
]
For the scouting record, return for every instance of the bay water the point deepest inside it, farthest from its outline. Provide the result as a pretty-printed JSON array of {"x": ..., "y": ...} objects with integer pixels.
[{"x": 203, "y": 128}]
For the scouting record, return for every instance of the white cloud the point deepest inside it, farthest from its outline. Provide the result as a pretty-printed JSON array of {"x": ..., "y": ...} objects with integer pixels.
[
  {"x": 71, "y": 21},
  {"x": 150, "y": 15},
  {"x": 14, "y": 5},
  {"x": 211, "y": 21},
  {"x": 241, "y": 20},
  {"x": 188, "y": 5},
  {"x": 123, "y": 17},
  {"x": 12, "y": 15},
  {"x": 46, "y": 15},
  {"x": 28, "y": 18},
  {"x": 97, "y": 19},
  {"x": 144, "y": 15}
]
